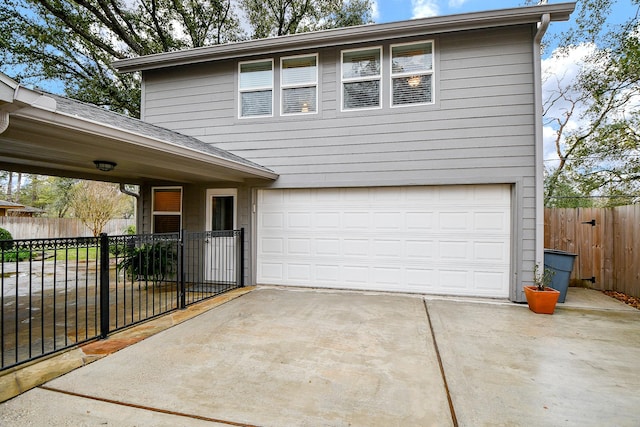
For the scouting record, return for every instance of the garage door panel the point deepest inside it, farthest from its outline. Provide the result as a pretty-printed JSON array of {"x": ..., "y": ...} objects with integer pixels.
[
  {"x": 491, "y": 221},
  {"x": 446, "y": 240},
  {"x": 491, "y": 251}
]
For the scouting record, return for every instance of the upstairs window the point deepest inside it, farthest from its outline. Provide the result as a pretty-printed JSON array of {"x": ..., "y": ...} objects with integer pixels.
[
  {"x": 361, "y": 79},
  {"x": 412, "y": 74},
  {"x": 299, "y": 84},
  {"x": 256, "y": 88},
  {"x": 167, "y": 209}
]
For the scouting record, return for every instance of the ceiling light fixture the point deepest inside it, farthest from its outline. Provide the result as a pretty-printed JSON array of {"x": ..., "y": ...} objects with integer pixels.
[
  {"x": 105, "y": 165},
  {"x": 414, "y": 81}
]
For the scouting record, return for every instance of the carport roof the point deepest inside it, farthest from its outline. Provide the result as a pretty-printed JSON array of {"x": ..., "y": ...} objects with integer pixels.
[{"x": 49, "y": 134}]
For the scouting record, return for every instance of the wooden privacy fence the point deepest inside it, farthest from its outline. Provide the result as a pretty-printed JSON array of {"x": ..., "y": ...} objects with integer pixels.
[
  {"x": 49, "y": 228},
  {"x": 606, "y": 240}
]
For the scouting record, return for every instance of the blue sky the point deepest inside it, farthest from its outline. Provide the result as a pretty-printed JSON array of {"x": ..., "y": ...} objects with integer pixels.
[{"x": 399, "y": 10}]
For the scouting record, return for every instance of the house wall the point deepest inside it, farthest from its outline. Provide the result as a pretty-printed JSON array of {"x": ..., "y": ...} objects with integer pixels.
[{"x": 479, "y": 130}]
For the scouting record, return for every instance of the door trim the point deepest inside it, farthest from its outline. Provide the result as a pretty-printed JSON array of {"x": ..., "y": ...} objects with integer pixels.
[{"x": 212, "y": 192}]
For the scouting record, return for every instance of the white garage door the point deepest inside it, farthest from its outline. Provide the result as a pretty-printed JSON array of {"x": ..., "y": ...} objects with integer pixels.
[{"x": 452, "y": 240}]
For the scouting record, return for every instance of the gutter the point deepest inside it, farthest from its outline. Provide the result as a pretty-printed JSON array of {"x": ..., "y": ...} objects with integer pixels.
[
  {"x": 4, "y": 114},
  {"x": 539, "y": 141}
]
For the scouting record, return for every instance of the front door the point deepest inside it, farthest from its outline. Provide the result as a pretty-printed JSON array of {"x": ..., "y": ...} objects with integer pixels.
[{"x": 221, "y": 250}]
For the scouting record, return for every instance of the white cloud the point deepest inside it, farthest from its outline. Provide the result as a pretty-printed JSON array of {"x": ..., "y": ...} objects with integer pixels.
[
  {"x": 375, "y": 11},
  {"x": 424, "y": 8},
  {"x": 456, "y": 3}
]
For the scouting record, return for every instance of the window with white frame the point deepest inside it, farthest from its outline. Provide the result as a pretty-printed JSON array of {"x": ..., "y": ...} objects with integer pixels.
[
  {"x": 412, "y": 73},
  {"x": 256, "y": 88},
  {"x": 361, "y": 74},
  {"x": 299, "y": 84},
  {"x": 167, "y": 209}
]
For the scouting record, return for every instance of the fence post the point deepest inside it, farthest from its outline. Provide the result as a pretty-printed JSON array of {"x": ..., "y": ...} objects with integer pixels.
[
  {"x": 241, "y": 259},
  {"x": 182, "y": 297},
  {"x": 104, "y": 285}
]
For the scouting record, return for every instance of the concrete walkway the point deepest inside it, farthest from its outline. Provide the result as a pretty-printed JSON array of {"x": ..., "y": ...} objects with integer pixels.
[{"x": 289, "y": 357}]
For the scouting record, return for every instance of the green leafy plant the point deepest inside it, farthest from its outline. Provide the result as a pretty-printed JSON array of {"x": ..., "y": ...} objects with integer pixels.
[
  {"x": 155, "y": 261},
  {"x": 542, "y": 279},
  {"x": 6, "y": 240},
  {"x": 13, "y": 256}
]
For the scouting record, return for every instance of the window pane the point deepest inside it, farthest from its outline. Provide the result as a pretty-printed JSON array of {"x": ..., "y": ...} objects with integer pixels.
[
  {"x": 412, "y": 90},
  {"x": 299, "y": 100},
  {"x": 256, "y": 103},
  {"x": 412, "y": 58},
  {"x": 256, "y": 75},
  {"x": 222, "y": 218},
  {"x": 166, "y": 223},
  {"x": 166, "y": 200},
  {"x": 361, "y": 94},
  {"x": 299, "y": 70},
  {"x": 361, "y": 63}
]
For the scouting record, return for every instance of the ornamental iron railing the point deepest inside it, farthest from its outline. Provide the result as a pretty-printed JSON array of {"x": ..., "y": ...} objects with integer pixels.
[{"x": 59, "y": 293}]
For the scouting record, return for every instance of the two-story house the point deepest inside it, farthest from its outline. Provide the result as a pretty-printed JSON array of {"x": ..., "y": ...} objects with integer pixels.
[{"x": 404, "y": 156}]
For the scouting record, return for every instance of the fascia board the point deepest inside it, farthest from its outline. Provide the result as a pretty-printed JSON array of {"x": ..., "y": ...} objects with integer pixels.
[
  {"x": 349, "y": 35},
  {"x": 99, "y": 129}
]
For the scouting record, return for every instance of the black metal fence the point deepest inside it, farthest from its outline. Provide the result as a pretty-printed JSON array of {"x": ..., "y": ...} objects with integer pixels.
[{"x": 58, "y": 293}]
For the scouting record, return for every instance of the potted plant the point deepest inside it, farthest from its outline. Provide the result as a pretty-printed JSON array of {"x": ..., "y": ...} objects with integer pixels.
[{"x": 540, "y": 297}]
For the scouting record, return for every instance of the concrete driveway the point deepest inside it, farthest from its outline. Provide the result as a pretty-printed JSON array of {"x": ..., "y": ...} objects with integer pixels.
[{"x": 289, "y": 357}]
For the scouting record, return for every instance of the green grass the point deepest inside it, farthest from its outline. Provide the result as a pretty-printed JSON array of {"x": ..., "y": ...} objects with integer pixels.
[{"x": 81, "y": 254}]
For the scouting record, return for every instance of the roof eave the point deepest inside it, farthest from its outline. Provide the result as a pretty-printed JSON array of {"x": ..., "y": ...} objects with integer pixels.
[
  {"x": 99, "y": 129},
  {"x": 348, "y": 35}
]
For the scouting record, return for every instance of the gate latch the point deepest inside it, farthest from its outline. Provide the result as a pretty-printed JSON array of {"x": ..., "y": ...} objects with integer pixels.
[{"x": 592, "y": 222}]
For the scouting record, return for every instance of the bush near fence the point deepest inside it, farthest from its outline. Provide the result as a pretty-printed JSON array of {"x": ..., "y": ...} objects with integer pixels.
[
  {"x": 50, "y": 228},
  {"x": 606, "y": 240}
]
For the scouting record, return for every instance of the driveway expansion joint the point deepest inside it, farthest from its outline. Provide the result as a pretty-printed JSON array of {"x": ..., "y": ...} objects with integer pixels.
[
  {"x": 452, "y": 409},
  {"x": 145, "y": 408}
]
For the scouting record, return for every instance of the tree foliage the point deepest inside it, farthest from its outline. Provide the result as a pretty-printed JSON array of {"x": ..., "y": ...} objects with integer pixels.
[
  {"x": 74, "y": 42},
  {"x": 270, "y": 18},
  {"x": 95, "y": 203},
  {"x": 595, "y": 115}
]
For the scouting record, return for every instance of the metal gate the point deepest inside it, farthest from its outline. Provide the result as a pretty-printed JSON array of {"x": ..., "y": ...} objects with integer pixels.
[{"x": 58, "y": 293}]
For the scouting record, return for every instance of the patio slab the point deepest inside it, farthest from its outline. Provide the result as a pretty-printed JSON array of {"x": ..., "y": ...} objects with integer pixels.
[{"x": 301, "y": 357}]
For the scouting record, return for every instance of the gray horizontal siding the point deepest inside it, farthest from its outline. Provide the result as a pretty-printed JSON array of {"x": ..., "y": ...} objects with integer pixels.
[
  {"x": 482, "y": 118},
  {"x": 480, "y": 129}
]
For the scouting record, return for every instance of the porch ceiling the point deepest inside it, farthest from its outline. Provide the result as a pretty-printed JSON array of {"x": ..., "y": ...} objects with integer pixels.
[{"x": 51, "y": 135}]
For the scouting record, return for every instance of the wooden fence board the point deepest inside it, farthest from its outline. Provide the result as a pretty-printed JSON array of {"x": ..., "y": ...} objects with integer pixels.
[
  {"x": 48, "y": 228},
  {"x": 608, "y": 251}
]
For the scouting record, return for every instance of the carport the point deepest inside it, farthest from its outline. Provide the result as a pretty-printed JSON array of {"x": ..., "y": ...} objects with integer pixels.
[{"x": 46, "y": 134}]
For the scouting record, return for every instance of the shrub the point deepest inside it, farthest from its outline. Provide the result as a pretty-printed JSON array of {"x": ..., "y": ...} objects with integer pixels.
[
  {"x": 6, "y": 240},
  {"x": 155, "y": 261},
  {"x": 13, "y": 256}
]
